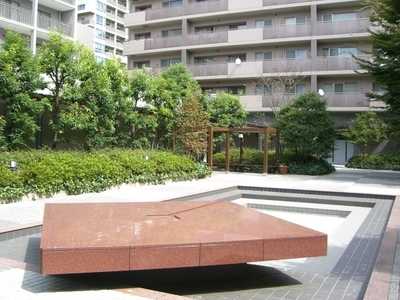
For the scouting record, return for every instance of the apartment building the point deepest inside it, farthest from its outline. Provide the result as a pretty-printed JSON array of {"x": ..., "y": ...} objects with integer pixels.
[
  {"x": 230, "y": 44},
  {"x": 104, "y": 22},
  {"x": 35, "y": 18}
]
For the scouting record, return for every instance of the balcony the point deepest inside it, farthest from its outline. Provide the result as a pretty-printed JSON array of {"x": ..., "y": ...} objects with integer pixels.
[
  {"x": 162, "y": 13},
  {"x": 206, "y": 7},
  {"x": 165, "y": 42},
  {"x": 280, "y": 2},
  {"x": 53, "y": 24},
  {"x": 338, "y": 63},
  {"x": 350, "y": 101},
  {"x": 215, "y": 69},
  {"x": 59, "y": 5},
  {"x": 207, "y": 38},
  {"x": 286, "y": 31},
  {"x": 343, "y": 27},
  {"x": 15, "y": 14},
  {"x": 283, "y": 66},
  {"x": 346, "y": 100},
  {"x": 112, "y": 2}
]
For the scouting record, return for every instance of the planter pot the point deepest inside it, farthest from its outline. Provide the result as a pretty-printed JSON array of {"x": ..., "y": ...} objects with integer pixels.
[{"x": 283, "y": 170}]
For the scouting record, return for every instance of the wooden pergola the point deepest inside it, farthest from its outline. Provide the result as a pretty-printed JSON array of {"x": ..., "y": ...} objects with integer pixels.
[{"x": 228, "y": 131}]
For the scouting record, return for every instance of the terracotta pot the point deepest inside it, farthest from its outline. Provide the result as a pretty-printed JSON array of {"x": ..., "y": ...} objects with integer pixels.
[{"x": 283, "y": 170}]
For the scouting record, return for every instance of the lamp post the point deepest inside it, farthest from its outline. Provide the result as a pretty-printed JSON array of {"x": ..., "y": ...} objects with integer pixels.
[
  {"x": 241, "y": 145},
  {"x": 13, "y": 166}
]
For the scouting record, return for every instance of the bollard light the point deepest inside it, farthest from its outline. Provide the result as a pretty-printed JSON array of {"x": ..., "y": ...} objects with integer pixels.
[{"x": 13, "y": 166}]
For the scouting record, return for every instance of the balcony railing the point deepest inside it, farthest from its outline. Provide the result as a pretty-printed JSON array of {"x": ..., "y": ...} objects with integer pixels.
[
  {"x": 51, "y": 24},
  {"x": 279, "y": 2},
  {"x": 286, "y": 31},
  {"x": 291, "y": 66},
  {"x": 166, "y": 42},
  {"x": 162, "y": 13},
  {"x": 343, "y": 27},
  {"x": 207, "y": 38},
  {"x": 72, "y": 2},
  {"x": 16, "y": 14},
  {"x": 209, "y": 69},
  {"x": 336, "y": 63},
  {"x": 347, "y": 100},
  {"x": 206, "y": 7}
]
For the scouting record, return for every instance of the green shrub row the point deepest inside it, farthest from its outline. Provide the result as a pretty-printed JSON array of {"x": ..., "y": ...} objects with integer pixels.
[
  {"x": 44, "y": 173},
  {"x": 253, "y": 158},
  {"x": 375, "y": 162}
]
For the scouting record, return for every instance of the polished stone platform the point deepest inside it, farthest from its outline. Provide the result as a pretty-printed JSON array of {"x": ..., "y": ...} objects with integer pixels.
[{"x": 106, "y": 237}]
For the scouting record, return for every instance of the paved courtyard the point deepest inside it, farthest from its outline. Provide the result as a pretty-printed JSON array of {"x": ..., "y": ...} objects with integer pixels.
[{"x": 363, "y": 256}]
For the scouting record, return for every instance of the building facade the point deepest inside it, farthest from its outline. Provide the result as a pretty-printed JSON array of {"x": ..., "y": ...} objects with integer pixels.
[
  {"x": 35, "y": 18},
  {"x": 234, "y": 45},
  {"x": 104, "y": 30}
]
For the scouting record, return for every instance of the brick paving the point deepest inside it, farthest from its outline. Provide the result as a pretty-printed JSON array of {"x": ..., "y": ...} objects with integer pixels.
[{"x": 343, "y": 274}]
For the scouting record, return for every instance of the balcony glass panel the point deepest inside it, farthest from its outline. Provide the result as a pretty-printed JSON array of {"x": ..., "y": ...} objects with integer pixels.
[
  {"x": 207, "y": 7},
  {"x": 207, "y": 38}
]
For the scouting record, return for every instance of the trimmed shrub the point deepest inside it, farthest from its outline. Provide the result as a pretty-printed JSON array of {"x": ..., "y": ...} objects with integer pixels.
[{"x": 375, "y": 162}]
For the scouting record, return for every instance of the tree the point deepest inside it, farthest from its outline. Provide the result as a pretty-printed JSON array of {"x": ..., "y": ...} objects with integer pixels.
[
  {"x": 19, "y": 81},
  {"x": 225, "y": 110},
  {"x": 192, "y": 127},
  {"x": 138, "y": 114},
  {"x": 366, "y": 131},
  {"x": 276, "y": 90},
  {"x": 307, "y": 127},
  {"x": 384, "y": 66},
  {"x": 93, "y": 109},
  {"x": 58, "y": 61}
]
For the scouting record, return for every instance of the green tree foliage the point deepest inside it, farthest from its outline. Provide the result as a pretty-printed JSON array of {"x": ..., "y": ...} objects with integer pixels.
[
  {"x": 306, "y": 127},
  {"x": 93, "y": 110},
  {"x": 225, "y": 110},
  {"x": 138, "y": 116},
  {"x": 19, "y": 81},
  {"x": 366, "y": 131},
  {"x": 193, "y": 126},
  {"x": 384, "y": 66},
  {"x": 58, "y": 60}
]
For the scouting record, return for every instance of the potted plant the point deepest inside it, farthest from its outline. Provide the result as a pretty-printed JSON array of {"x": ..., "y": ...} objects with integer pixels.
[{"x": 283, "y": 168}]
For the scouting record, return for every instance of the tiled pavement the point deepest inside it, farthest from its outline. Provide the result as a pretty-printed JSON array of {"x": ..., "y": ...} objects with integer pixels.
[{"x": 343, "y": 274}]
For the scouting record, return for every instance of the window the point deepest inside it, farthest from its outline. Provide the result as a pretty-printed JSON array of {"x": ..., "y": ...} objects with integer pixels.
[
  {"x": 339, "y": 17},
  {"x": 204, "y": 60},
  {"x": 263, "y": 23},
  {"x": 141, "y": 64},
  {"x": 237, "y": 26},
  {"x": 234, "y": 57},
  {"x": 171, "y": 32},
  {"x": 165, "y": 63},
  {"x": 142, "y": 36},
  {"x": 100, "y": 33},
  {"x": 236, "y": 90},
  {"x": 344, "y": 52},
  {"x": 101, "y": 6},
  {"x": 172, "y": 3},
  {"x": 204, "y": 29},
  {"x": 295, "y": 20},
  {"x": 98, "y": 47},
  {"x": 81, "y": 6},
  {"x": 263, "y": 55},
  {"x": 99, "y": 20},
  {"x": 261, "y": 89},
  {"x": 297, "y": 89},
  {"x": 143, "y": 8},
  {"x": 338, "y": 88},
  {"x": 295, "y": 54},
  {"x": 100, "y": 59}
]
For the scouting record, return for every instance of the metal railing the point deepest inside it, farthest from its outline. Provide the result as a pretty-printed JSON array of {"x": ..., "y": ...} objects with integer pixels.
[
  {"x": 16, "y": 14},
  {"x": 206, "y": 7},
  {"x": 207, "y": 38},
  {"x": 341, "y": 27},
  {"x": 53, "y": 24},
  {"x": 162, "y": 13},
  {"x": 165, "y": 42},
  {"x": 336, "y": 63}
]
